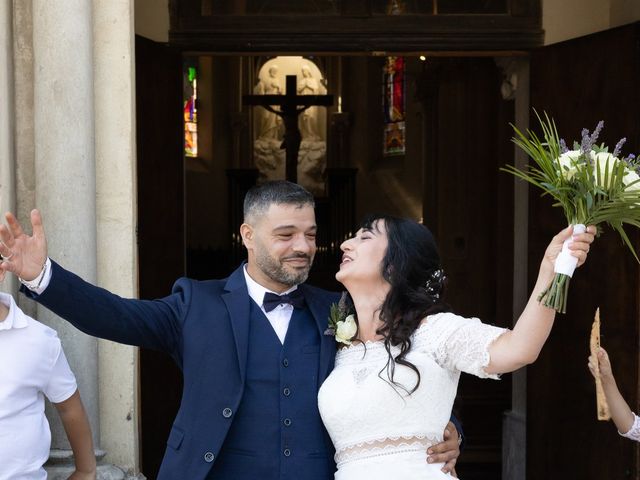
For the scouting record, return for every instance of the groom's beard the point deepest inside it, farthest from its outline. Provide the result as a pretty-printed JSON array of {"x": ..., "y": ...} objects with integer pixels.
[{"x": 278, "y": 270}]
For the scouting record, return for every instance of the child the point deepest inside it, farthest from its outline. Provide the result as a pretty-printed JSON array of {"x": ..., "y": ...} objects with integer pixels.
[
  {"x": 627, "y": 422},
  {"x": 32, "y": 366}
]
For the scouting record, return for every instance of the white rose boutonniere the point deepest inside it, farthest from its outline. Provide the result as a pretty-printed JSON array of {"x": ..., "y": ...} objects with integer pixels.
[
  {"x": 346, "y": 329},
  {"x": 341, "y": 325}
]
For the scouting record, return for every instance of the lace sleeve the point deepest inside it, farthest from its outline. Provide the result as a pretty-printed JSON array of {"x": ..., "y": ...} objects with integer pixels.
[
  {"x": 458, "y": 343},
  {"x": 634, "y": 431}
]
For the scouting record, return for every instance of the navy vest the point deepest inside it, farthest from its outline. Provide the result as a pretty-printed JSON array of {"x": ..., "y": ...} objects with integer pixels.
[{"x": 277, "y": 433}]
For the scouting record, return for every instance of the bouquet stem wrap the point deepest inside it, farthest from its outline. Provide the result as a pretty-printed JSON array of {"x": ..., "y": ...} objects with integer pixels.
[{"x": 555, "y": 295}]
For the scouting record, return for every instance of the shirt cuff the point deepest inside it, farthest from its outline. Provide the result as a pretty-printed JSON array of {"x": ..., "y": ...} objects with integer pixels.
[
  {"x": 41, "y": 282},
  {"x": 634, "y": 431}
]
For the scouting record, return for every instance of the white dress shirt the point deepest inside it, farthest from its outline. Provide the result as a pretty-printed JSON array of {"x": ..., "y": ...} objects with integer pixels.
[
  {"x": 280, "y": 316},
  {"x": 32, "y": 366}
]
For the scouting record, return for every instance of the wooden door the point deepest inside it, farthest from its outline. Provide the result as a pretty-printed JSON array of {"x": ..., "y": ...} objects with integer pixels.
[
  {"x": 161, "y": 245},
  {"x": 578, "y": 83},
  {"x": 468, "y": 205}
]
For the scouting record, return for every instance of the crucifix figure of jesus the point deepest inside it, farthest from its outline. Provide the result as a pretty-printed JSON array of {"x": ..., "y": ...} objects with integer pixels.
[{"x": 289, "y": 106}]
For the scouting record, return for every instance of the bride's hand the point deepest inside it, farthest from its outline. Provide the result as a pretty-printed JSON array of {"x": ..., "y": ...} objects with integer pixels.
[
  {"x": 447, "y": 451},
  {"x": 579, "y": 245}
]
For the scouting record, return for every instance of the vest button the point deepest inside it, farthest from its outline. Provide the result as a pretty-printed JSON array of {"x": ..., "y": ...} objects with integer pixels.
[
  {"x": 208, "y": 457},
  {"x": 287, "y": 422},
  {"x": 227, "y": 412},
  {"x": 286, "y": 392},
  {"x": 287, "y": 452},
  {"x": 285, "y": 362}
]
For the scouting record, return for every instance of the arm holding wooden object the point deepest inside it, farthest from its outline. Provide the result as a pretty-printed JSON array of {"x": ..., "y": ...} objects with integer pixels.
[{"x": 626, "y": 421}]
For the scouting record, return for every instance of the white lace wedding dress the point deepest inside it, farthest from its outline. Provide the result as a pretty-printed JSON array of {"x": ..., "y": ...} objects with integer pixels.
[{"x": 381, "y": 432}]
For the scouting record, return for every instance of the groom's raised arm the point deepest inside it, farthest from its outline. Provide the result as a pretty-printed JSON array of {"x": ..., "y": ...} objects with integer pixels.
[{"x": 152, "y": 324}]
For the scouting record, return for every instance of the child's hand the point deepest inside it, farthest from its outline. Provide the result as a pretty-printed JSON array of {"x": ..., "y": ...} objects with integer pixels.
[
  {"x": 82, "y": 476},
  {"x": 603, "y": 363}
]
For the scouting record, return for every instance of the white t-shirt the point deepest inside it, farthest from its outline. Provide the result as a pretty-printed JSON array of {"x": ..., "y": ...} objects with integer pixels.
[{"x": 32, "y": 366}]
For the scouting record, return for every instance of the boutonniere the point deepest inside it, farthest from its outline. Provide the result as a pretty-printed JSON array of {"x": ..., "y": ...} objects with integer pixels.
[{"x": 341, "y": 325}]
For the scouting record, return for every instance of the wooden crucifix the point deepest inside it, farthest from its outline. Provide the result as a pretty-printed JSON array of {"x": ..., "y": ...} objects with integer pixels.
[{"x": 290, "y": 106}]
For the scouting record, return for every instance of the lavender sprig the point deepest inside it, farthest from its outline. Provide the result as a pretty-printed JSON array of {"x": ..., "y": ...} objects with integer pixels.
[
  {"x": 596, "y": 132},
  {"x": 588, "y": 140},
  {"x": 630, "y": 162},
  {"x": 585, "y": 145},
  {"x": 563, "y": 146},
  {"x": 618, "y": 149}
]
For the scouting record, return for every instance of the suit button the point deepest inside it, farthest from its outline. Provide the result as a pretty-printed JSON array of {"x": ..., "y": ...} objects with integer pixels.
[
  {"x": 285, "y": 362},
  {"x": 287, "y": 452},
  {"x": 287, "y": 422},
  {"x": 208, "y": 457},
  {"x": 227, "y": 412},
  {"x": 286, "y": 392}
]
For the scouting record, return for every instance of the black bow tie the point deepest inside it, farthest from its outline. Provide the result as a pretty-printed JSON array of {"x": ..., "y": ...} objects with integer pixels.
[{"x": 271, "y": 300}]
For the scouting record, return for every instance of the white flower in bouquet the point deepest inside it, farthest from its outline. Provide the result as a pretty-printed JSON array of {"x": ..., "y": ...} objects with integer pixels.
[
  {"x": 604, "y": 164},
  {"x": 631, "y": 181},
  {"x": 591, "y": 185},
  {"x": 569, "y": 162}
]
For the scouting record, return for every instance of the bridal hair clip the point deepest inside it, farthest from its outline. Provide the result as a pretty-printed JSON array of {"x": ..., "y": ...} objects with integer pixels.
[{"x": 434, "y": 285}]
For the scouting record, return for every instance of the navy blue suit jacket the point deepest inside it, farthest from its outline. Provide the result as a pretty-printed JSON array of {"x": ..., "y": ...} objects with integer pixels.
[{"x": 204, "y": 326}]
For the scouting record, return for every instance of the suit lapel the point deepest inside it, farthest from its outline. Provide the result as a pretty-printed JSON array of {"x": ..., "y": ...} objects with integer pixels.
[
  {"x": 320, "y": 311},
  {"x": 238, "y": 304}
]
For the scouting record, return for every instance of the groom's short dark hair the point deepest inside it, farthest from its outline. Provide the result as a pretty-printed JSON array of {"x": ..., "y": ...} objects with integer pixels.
[{"x": 280, "y": 192}]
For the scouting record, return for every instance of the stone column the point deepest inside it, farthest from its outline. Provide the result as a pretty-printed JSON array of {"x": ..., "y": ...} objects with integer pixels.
[
  {"x": 23, "y": 121},
  {"x": 66, "y": 183},
  {"x": 7, "y": 161},
  {"x": 115, "y": 153}
]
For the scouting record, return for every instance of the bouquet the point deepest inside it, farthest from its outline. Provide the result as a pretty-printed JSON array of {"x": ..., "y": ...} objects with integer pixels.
[{"x": 590, "y": 184}]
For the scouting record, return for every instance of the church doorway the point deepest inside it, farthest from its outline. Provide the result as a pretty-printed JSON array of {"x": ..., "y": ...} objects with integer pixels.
[{"x": 410, "y": 135}]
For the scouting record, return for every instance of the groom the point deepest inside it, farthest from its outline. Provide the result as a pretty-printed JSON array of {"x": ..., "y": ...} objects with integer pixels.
[{"x": 251, "y": 347}]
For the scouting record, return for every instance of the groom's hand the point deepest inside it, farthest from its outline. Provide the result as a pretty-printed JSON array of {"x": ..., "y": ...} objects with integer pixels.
[
  {"x": 22, "y": 254},
  {"x": 447, "y": 451}
]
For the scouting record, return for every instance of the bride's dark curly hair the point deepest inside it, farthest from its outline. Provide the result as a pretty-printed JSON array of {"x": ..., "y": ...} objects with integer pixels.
[{"x": 412, "y": 266}]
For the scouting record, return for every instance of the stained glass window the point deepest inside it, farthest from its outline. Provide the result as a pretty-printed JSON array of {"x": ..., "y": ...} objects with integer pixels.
[
  {"x": 393, "y": 104},
  {"x": 189, "y": 97}
]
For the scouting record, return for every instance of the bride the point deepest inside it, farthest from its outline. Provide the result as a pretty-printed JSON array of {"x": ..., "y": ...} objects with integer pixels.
[{"x": 390, "y": 394}]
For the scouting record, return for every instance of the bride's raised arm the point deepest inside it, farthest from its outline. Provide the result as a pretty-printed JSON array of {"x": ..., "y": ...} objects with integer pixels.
[{"x": 522, "y": 345}]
